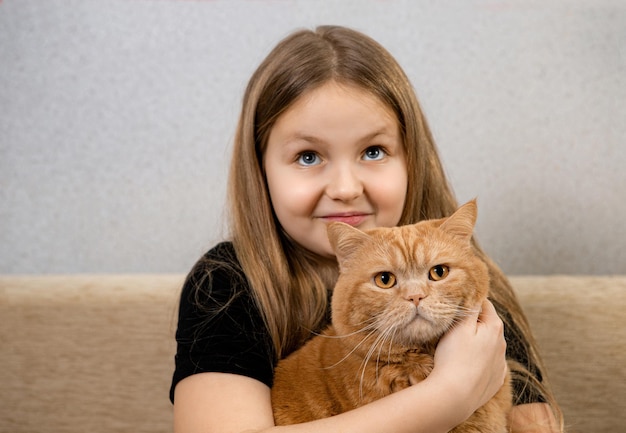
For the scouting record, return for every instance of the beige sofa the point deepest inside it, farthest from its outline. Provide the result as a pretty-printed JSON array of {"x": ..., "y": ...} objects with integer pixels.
[{"x": 95, "y": 353}]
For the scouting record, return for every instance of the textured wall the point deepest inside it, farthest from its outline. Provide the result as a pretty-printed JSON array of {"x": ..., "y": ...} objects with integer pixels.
[{"x": 116, "y": 119}]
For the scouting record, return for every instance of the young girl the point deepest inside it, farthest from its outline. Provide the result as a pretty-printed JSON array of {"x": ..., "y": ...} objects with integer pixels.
[{"x": 331, "y": 130}]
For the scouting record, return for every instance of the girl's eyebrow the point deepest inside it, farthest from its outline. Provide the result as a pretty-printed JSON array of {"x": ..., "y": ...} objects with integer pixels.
[
  {"x": 384, "y": 131},
  {"x": 298, "y": 136}
]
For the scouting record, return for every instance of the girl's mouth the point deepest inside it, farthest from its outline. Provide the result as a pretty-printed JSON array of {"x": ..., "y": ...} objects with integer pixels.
[{"x": 352, "y": 219}]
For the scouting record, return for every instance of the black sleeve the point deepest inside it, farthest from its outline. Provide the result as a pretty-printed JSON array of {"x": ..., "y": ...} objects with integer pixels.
[
  {"x": 517, "y": 350},
  {"x": 220, "y": 328}
]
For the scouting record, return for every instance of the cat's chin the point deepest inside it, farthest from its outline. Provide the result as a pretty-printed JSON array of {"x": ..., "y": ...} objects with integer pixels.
[{"x": 421, "y": 330}]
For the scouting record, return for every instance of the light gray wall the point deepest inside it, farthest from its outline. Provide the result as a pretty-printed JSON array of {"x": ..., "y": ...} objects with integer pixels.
[{"x": 116, "y": 119}]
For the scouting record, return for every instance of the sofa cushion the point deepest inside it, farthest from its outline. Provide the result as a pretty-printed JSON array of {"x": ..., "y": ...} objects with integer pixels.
[{"x": 87, "y": 353}]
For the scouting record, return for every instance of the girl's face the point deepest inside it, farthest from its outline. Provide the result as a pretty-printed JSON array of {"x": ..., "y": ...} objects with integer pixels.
[{"x": 335, "y": 155}]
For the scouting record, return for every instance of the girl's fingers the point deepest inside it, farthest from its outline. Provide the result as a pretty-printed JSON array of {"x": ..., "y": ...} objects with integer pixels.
[{"x": 487, "y": 312}]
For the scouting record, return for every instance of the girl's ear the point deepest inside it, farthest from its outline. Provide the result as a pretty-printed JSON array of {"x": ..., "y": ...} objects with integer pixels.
[
  {"x": 345, "y": 240},
  {"x": 461, "y": 223}
]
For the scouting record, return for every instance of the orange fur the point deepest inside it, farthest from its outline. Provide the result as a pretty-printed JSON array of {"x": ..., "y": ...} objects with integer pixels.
[{"x": 382, "y": 340}]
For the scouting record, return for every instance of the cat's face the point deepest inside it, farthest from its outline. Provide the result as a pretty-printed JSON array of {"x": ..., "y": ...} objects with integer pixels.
[{"x": 407, "y": 284}]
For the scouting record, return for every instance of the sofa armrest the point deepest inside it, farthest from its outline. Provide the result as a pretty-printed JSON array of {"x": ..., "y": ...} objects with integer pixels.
[
  {"x": 87, "y": 353},
  {"x": 580, "y": 326}
]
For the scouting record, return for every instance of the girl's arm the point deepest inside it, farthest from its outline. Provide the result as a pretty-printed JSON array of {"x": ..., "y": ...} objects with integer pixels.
[{"x": 470, "y": 367}]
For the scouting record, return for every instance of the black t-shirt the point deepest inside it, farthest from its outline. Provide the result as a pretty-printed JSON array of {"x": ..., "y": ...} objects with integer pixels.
[{"x": 220, "y": 328}]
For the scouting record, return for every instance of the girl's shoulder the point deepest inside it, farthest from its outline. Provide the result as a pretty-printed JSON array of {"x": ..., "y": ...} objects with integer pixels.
[
  {"x": 216, "y": 294},
  {"x": 216, "y": 284},
  {"x": 222, "y": 254},
  {"x": 222, "y": 249},
  {"x": 217, "y": 276}
]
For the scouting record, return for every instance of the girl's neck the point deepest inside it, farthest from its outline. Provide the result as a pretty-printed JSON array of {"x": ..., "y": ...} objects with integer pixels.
[{"x": 327, "y": 268}]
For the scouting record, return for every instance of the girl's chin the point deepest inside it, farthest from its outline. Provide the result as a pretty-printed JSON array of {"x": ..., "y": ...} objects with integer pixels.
[{"x": 323, "y": 252}]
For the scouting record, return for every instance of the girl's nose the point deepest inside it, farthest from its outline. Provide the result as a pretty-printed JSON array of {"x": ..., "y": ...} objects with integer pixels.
[{"x": 344, "y": 184}]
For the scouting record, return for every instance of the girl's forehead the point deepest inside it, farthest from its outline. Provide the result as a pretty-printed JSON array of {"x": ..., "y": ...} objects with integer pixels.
[
  {"x": 337, "y": 111},
  {"x": 342, "y": 88},
  {"x": 332, "y": 96}
]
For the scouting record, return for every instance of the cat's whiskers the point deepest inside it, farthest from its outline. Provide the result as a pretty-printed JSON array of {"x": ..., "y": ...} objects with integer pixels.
[
  {"x": 451, "y": 308},
  {"x": 389, "y": 346},
  {"x": 372, "y": 330},
  {"x": 461, "y": 313},
  {"x": 370, "y": 323},
  {"x": 386, "y": 336}
]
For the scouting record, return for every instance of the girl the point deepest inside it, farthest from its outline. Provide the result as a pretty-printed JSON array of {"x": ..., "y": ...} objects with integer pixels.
[{"x": 331, "y": 130}]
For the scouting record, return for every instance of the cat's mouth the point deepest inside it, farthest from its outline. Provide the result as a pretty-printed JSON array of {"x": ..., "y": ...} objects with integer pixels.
[
  {"x": 423, "y": 326},
  {"x": 420, "y": 317}
]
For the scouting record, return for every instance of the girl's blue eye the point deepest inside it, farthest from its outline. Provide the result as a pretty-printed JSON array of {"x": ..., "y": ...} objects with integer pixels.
[
  {"x": 308, "y": 158},
  {"x": 374, "y": 153}
]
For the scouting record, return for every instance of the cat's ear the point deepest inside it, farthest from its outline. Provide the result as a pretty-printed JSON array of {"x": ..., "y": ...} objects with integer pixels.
[
  {"x": 461, "y": 223},
  {"x": 344, "y": 239}
]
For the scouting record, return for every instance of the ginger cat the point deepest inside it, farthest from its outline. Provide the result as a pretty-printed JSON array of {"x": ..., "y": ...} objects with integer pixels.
[{"x": 399, "y": 290}]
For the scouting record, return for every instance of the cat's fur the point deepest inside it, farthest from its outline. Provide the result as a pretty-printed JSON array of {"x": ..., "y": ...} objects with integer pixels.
[{"x": 382, "y": 340}]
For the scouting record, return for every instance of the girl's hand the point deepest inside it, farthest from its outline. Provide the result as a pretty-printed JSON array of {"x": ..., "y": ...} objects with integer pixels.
[{"x": 470, "y": 359}]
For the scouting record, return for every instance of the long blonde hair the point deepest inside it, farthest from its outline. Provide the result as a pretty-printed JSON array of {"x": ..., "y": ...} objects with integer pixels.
[{"x": 291, "y": 285}]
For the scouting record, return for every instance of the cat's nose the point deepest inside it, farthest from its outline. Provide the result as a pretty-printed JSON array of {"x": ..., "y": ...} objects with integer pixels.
[{"x": 416, "y": 298}]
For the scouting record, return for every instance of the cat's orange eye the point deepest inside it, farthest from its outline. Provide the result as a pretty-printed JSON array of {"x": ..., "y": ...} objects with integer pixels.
[
  {"x": 438, "y": 272},
  {"x": 385, "y": 280}
]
